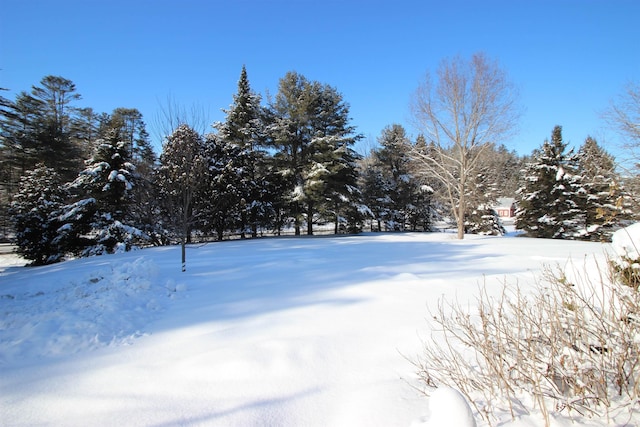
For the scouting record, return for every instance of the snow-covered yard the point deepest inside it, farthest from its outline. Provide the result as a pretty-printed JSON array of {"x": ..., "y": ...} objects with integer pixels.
[{"x": 271, "y": 332}]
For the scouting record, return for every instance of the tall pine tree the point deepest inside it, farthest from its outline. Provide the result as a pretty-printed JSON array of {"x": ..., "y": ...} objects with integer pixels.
[{"x": 312, "y": 137}]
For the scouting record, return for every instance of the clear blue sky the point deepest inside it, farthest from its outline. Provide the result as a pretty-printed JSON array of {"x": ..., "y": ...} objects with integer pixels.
[{"x": 569, "y": 58}]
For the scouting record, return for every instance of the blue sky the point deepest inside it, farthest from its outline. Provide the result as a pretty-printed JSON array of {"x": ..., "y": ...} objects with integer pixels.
[{"x": 568, "y": 58}]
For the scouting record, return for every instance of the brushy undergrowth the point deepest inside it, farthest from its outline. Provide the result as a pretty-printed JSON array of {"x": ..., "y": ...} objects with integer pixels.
[{"x": 571, "y": 346}]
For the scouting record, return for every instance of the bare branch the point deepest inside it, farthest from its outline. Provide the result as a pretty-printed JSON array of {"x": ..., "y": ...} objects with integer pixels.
[
  {"x": 172, "y": 114},
  {"x": 470, "y": 105}
]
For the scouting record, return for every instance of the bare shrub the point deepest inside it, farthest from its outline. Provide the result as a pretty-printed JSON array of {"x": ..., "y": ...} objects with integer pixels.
[{"x": 571, "y": 346}]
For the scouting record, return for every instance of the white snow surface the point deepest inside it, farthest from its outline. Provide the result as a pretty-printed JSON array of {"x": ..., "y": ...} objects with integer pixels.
[
  {"x": 448, "y": 407},
  {"x": 626, "y": 242},
  {"x": 272, "y": 332}
]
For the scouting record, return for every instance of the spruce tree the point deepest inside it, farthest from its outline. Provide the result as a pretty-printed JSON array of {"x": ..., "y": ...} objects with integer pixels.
[
  {"x": 106, "y": 188},
  {"x": 35, "y": 210},
  {"x": 144, "y": 205},
  {"x": 243, "y": 132},
  {"x": 605, "y": 203},
  {"x": 375, "y": 191},
  {"x": 223, "y": 188},
  {"x": 549, "y": 199},
  {"x": 395, "y": 163},
  {"x": 109, "y": 176}
]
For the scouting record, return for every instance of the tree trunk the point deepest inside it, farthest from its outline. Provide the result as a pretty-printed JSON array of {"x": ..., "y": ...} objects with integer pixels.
[
  {"x": 296, "y": 213},
  {"x": 184, "y": 255},
  {"x": 460, "y": 224},
  {"x": 310, "y": 219},
  {"x": 460, "y": 216}
]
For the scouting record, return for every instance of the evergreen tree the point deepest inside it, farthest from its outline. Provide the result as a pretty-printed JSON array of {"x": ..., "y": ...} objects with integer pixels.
[
  {"x": 109, "y": 176},
  {"x": 85, "y": 130},
  {"x": 132, "y": 130},
  {"x": 310, "y": 131},
  {"x": 35, "y": 209},
  {"x": 106, "y": 189},
  {"x": 375, "y": 194},
  {"x": 395, "y": 164},
  {"x": 496, "y": 176},
  {"x": 38, "y": 127},
  {"x": 50, "y": 125},
  {"x": 605, "y": 203},
  {"x": 223, "y": 188},
  {"x": 549, "y": 200},
  {"x": 484, "y": 220},
  {"x": 243, "y": 132},
  {"x": 335, "y": 161},
  {"x": 393, "y": 194},
  {"x": 144, "y": 208}
]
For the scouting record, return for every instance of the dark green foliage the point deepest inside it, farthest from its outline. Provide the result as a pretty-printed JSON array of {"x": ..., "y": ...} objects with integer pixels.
[
  {"x": 100, "y": 221},
  {"x": 394, "y": 163},
  {"x": 549, "y": 200},
  {"x": 35, "y": 210},
  {"x": 240, "y": 145},
  {"x": 310, "y": 132},
  {"x": 109, "y": 176},
  {"x": 605, "y": 202},
  {"x": 484, "y": 220},
  {"x": 395, "y": 196},
  {"x": 40, "y": 127},
  {"x": 571, "y": 196}
]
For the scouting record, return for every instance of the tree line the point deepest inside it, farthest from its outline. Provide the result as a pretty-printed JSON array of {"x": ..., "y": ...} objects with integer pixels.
[{"x": 81, "y": 183}]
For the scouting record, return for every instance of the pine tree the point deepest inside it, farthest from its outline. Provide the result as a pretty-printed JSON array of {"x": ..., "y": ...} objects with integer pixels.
[
  {"x": 109, "y": 176},
  {"x": 312, "y": 137},
  {"x": 51, "y": 125},
  {"x": 549, "y": 200},
  {"x": 340, "y": 200},
  {"x": 35, "y": 210},
  {"x": 38, "y": 127}
]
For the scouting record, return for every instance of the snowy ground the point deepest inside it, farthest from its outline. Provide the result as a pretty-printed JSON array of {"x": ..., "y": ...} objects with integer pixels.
[{"x": 270, "y": 332}]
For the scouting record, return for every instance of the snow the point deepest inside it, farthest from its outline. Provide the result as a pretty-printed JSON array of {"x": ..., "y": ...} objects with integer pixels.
[
  {"x": 448, "y": 408},
  {"x": 626, "y": 242},
  {"x": 275, "y": 331}
]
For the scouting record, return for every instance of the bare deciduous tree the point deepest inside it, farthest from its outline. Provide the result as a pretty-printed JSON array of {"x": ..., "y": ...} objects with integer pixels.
[
  {"x": 469, "y": 105},
  {"x": 181, "y": 176},
  {"x": 624, "y": 116}
]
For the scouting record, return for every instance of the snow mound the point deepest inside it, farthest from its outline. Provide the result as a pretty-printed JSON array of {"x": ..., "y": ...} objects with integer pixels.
[
  {"x": 448, "y": 407},
  {"x": 626, "y": 242},
  {"x": 110, "y": 306}
]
